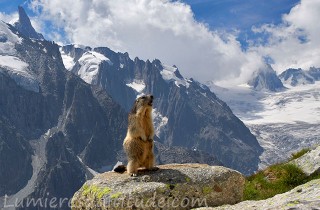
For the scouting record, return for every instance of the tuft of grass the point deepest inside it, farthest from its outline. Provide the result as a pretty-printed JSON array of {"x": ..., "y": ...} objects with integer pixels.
[
  {"x": 299, "y": 154},
  {"x": 275, "y": 179}
]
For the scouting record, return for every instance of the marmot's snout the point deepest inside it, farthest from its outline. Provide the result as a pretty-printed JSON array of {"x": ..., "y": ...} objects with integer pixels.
[{"x": 150, "y": 99}]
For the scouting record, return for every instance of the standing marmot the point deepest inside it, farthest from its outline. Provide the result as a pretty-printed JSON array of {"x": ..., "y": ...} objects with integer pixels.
[{"x": 138, "y": 143}]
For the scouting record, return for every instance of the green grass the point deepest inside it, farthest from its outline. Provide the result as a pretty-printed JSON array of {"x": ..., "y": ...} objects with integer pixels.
[
  {"x": 276, "y": 179},
  {"x": 299, "y": 154}
]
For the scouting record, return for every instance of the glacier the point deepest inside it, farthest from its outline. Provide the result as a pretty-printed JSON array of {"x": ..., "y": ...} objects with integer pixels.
[{"x": 284, "y": 122}]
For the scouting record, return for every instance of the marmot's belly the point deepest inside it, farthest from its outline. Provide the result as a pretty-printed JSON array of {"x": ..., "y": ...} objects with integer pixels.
[{"x": 138, "y": 149}]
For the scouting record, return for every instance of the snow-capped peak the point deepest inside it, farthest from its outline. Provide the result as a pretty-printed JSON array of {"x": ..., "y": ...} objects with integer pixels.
[
  {"x": 90, "y": 62},
  {"x": 10, "y": 64},
  {"x": 171, "y": 73}
]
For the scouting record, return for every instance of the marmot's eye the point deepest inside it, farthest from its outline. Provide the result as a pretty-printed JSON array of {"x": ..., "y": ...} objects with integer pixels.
[{"x": 143, "y": 97}]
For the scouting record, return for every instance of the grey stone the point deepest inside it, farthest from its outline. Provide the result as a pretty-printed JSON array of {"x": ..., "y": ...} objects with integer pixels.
[{"x": 173, "y": 186}]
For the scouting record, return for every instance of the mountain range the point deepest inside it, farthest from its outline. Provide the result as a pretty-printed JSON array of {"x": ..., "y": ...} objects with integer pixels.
[{"x": 63, "y": 115}]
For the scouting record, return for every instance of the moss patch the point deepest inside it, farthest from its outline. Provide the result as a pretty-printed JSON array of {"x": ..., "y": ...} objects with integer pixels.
[
  {"x": 170, "y": 186},
  {"x": 116, "y": 195},
  {"x": 207, "y": 190},
  {"x": 95, "y": 191}
]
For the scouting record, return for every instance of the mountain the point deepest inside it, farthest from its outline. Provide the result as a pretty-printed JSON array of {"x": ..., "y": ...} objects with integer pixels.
[
  {"x": 296, "y": 77},
  {"x": 186, "y": 113},
  {"x": 266, "y": 79},
  {"x": 24, "y": 26},
  {"x": 54, "y": 126},
  {"x": 315, "y": 73}
]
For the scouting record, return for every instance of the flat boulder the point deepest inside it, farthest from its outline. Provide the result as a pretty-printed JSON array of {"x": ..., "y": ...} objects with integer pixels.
[{"x": 173, "y": 186}]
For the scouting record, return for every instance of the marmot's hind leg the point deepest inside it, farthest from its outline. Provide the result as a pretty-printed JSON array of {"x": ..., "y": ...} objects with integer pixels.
[
  {"x": 149, "y": 162},
  {"x": 132, "y": 167},
  {"x": 134, "y": 151}
]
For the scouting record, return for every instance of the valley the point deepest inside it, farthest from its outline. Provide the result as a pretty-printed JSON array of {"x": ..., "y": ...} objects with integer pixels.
[{"x": 283, "y": 122}]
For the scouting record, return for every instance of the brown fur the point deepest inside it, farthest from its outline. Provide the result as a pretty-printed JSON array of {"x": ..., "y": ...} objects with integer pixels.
[{"x": 138, "y": 143}]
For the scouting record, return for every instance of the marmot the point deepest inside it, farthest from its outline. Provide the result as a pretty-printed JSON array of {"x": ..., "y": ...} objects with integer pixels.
[{"x": 138, "y": 143}]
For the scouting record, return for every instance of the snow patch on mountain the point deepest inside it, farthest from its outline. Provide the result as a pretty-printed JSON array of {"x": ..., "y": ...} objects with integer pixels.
[
  {"x": 18, "y": 71},
  {"x": 169, "y": 73},
  {"x": 137, "y": 85},
  {"x": 8, "y": 40},
  {"x": 67, "y": 60},
  {"x": 90, "y": 62},
  {"x": 159, "y": 122}
]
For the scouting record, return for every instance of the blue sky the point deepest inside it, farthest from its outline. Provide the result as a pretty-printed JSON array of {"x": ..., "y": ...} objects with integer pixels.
[
  {"x": 241, "y": 14},
  {"x": 218, "y": 14},
  {"x": 226, "y": 15},
  {"x": 10, "y": 6},
  {"x": 207, "y": 39}
]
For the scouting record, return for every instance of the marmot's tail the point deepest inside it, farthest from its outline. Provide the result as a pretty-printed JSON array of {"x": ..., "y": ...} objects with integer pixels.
[{"x": 119, "y": 167}]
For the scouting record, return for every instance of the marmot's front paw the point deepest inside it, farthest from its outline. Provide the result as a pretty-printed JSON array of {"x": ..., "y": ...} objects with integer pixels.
[{"x": 154, "y": 168}]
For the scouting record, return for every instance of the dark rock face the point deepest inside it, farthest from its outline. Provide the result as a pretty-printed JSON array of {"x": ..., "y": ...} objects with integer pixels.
[
  {"x": 266, "y": 79},
  {"x": 296, "y": 77},
  {"x": 79, "y": 126},
  {"x": 15, "y": 158},
  {"x": 24, "y": 26},
  {"x": 187, "y": 114}
]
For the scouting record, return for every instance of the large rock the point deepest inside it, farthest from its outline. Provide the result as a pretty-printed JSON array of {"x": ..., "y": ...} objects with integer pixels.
[
  {"x": 181, "y": 186},
  {"x": 309, "y": 162},
  {"x": 302, "y": 197}
]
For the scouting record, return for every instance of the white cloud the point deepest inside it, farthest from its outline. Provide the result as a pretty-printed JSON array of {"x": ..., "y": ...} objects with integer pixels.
[
  {"x": 149, "y": 29},
  {"x": 295, "y": 43},
  {"x": 9, "y": 18},
  {"x": 167, "y": 30}
]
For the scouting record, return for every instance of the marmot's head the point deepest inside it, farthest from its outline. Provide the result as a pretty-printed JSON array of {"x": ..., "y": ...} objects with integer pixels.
[{"x": 143, "y": 103}]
